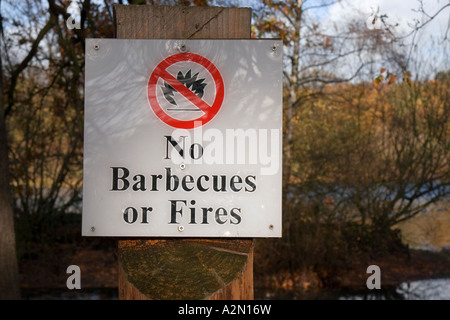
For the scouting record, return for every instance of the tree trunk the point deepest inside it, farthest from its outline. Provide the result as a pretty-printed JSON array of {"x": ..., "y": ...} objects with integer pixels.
[{"x": 9, "y": 272}]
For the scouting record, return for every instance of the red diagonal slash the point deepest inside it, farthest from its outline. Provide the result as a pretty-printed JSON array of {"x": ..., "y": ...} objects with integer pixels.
[
  {"x": 181, "y": 88},
  {"x": 209, "y": 112}
]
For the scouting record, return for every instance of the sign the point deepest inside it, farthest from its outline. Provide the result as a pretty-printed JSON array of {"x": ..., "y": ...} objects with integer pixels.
[
  {"x": 182, "y": 138},
  {"x": 173, "y": 84}
]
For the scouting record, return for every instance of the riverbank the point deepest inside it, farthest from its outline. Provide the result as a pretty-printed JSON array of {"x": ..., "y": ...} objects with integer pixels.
[
  {"x": 45, "y": 278},
  {"x": 396, "y": 271}
]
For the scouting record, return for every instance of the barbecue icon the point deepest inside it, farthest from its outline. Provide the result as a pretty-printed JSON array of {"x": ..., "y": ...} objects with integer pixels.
[{"x": 197, "y": 86}]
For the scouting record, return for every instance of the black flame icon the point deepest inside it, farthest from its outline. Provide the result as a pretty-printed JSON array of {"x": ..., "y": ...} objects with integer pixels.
[{"x": 190, "y": 81}]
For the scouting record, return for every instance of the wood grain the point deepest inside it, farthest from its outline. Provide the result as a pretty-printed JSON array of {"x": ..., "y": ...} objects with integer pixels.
[{"x": 165, "y": 22}]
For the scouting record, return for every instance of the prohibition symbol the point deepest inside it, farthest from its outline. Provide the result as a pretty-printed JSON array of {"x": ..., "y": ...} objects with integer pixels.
[{"x": 189, "y": 88}]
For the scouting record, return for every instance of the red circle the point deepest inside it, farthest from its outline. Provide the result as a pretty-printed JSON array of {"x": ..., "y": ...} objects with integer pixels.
[{"x": 160, "y": 70}]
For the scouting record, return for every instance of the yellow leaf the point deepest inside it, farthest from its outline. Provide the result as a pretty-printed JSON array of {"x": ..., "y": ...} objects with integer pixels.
[
  {"x": 377, "y": 81},
  {"x": 392, "y": 78}
]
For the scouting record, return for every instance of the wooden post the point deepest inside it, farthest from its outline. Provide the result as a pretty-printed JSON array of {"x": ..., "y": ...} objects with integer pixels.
[{"x": 184, "y": 268}]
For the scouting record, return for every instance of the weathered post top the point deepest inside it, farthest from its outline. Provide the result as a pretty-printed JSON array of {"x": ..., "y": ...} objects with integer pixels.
[{"x": 166, "y": 22}]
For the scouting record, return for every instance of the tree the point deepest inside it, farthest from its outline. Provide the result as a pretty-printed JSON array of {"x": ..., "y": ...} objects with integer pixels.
[
  {"x": 353, "y": 165},
  {"x": 9, "y": 272},
  {"x": 346, "y": 137},
  {"x": 41, "y": 123},
  {"x": 314, "y": 58}
]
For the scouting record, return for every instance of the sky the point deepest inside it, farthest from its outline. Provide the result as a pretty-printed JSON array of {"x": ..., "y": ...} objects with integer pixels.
[
  {"x": 431, "y": 45},
  {"x": 403, "y": 12}
]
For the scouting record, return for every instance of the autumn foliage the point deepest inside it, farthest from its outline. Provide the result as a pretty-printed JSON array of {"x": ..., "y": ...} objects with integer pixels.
[
  {"x": 367, "y": 157},
  {"x": 366, "y": 141}
]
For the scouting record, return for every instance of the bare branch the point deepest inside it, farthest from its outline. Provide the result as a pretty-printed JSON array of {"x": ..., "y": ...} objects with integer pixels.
[
  {"x": 327, "y": 4},
  {"x": 18, "y": 70}
]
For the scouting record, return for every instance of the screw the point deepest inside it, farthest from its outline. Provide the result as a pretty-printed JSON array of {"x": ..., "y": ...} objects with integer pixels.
[
  {"x": 92, "y": 229},
  {"x": 271, "y": 227},
  {"x": 180, "y": 228},
  {"x": 183, "y": 48},
  {"x": 182, "y": 166},
  {"x": 275, "y": 47},
  {"x": 96, "y": 47}
]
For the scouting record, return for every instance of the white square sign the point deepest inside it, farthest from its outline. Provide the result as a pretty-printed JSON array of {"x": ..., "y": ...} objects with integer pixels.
[{"x": 183, "y": 138}]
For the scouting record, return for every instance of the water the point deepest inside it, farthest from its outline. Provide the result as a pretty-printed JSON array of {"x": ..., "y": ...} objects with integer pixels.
[
  {"x": 66, "y": 294},
  {"x": 429, "y": 289}
]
